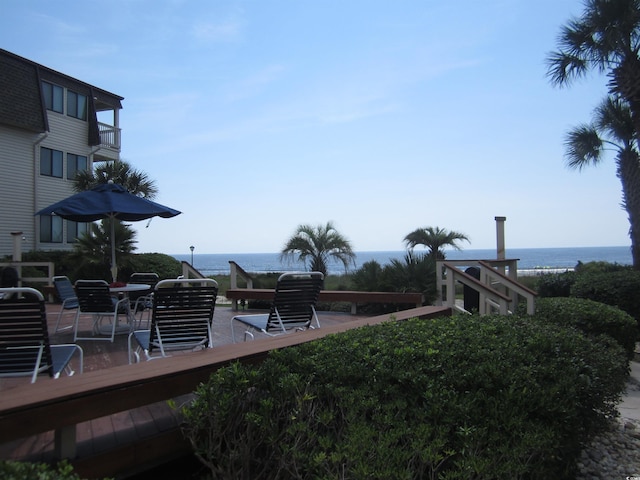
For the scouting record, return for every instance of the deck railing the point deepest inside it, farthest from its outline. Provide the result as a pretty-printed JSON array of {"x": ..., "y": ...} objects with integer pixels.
[
  {"x": 236, "y": 271},
  {"x": 47, "y": 268},
  {"x": 189, "y": 272},
  {"x": 497, "y": 286}
]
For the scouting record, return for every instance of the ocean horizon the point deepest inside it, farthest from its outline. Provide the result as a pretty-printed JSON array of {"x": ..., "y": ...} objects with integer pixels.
[{"x": 529, "y": 259}]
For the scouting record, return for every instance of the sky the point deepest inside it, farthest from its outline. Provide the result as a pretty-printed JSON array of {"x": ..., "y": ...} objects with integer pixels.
[{"x": 254, "y": 117}]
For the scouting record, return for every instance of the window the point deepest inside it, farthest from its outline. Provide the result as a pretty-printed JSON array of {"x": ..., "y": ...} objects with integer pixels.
[
  {"x": 75, "y": 230},
  {"x": 75, "y": 164},
  {"x": 50, "y": 162},
  {"x": 50, "y": 229},
  {"x": 76, "y": 105},
  {"x": 53, "y": 96}
]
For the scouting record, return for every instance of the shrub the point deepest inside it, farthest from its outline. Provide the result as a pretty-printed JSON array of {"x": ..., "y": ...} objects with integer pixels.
[
  {"x": 618, "y": 288},
  {"x": 555, "y": 284},
  {"x": 490, "y": 397},
  {"x": 416, "y": 273},
  {"x": 600, "y": 267},
  {"x": 592, "y": 318},
  {"x": 10, "y": 470},
  {"x": 66, "y": 263},
  {"x": 165, "y": 266}
]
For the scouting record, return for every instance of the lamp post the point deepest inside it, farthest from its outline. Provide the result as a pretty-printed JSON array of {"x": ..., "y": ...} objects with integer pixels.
[{"x": 192, "y": 248}]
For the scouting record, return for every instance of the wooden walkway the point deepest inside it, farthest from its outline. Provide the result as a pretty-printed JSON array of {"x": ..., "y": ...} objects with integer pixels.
[
  {"x": 124, "y": 428},
  {"x": 131, "y": 434}
]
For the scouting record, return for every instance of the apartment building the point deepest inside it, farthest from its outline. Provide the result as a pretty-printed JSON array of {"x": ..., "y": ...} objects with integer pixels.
[{"x": 51, "y": 126}]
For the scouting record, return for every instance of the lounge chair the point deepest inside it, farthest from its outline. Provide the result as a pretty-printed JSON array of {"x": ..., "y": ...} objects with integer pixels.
[
  {"x": 292, "y": 309},
  {"x": 67, "y": 295},
  {"x": 94, "y": 298},
  {"x": 24, "y": 339},
  {"x": 181, "y": 319}
]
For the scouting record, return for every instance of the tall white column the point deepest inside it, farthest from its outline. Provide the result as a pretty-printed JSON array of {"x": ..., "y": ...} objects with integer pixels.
[{"x": 501, "y": 254}]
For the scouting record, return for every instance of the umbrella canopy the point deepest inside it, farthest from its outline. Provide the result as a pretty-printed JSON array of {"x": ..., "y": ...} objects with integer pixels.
[{"x": 108, "y": 200}]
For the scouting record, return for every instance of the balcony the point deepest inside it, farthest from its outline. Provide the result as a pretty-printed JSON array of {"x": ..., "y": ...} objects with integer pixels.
[{"x": 109, "y": 136}]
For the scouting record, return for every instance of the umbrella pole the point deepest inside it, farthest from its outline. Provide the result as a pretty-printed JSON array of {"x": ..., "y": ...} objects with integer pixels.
[{"x": 114, "y": 267}]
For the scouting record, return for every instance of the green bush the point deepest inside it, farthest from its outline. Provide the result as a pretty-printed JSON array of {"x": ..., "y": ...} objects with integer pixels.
[
  {"x": 600, "y": 267},
  {"x": 469, "y": 397},
  {"x": 66, "y": 263},
  {"x": 592, "y": 318},
  {"x": 165, "y": 266},
  {"x": 415, "y": 273},
  {"x": 618, "y": 288},
  {"x": 10, "y": 470},
  {"x": 555, "y": 284}
]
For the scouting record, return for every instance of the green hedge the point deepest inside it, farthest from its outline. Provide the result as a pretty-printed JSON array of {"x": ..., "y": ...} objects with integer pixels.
[
  {"x": 618, "y": 288},
  {"x": 555, "y": 284},
  {"x": 10, "y": 470},
  {"x": 462, "y": 397},
  {"x": 592, "y": 318}
]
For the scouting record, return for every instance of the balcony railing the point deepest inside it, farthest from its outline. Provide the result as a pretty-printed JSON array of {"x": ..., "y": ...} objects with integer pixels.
[{"x": 109, "y": 136}]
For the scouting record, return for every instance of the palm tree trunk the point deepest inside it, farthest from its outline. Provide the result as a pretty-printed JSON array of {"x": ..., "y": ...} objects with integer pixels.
[{"x": 629, "y": 175}]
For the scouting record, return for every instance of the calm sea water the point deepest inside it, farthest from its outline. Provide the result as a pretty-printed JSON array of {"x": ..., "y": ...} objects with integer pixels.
[{"x": 528, "y": 259}]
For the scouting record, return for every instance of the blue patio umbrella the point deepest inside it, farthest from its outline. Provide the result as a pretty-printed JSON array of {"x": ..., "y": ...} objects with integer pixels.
[{"x": 108, "y": 200}]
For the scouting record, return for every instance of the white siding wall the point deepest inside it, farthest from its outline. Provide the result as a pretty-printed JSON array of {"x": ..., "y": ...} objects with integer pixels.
[
  {"x": 23, "y": 191},
  {"x": 68, "y": 135},
  {"x": 16, "y": 187}
]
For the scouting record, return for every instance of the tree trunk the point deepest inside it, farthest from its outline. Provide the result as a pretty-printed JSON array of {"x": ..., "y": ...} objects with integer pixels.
[{"x": 629, "y": 175}]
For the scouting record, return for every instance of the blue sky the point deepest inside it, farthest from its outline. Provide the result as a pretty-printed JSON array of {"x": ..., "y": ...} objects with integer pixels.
[{"x": 382, "y": 116}]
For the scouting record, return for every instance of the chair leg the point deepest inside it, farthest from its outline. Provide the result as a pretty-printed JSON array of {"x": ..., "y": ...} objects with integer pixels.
[
  {"x": 57, "y": 328},
  {"x": 75, "y": 330},
  {"x": 130, "y": 352}
]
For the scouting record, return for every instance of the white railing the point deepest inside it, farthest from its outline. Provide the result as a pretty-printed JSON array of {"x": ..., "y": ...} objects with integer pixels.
[
  {"x": 189, "y": 272},
  {"x": 236, "y": 271},
  {"x": 109, "y": 135},
  {"x": 498, "y": 287},
  {"x": 48, "y": 267}
]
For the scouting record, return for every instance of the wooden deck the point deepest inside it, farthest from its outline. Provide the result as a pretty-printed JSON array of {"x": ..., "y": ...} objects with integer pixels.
[{"x": 122, "y": 429}]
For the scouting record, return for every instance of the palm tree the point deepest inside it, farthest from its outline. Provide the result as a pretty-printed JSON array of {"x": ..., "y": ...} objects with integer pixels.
[
  {"x": 93, "y": 249},
  {"x": 121, "y": 172},
  {"x": 91, "y": 246},
  {"x": 606, "y": 38},
  {"x": 316, "y": 245},
  {"x": 435, "y": 239},
  {"x": 612, "y": 128}
]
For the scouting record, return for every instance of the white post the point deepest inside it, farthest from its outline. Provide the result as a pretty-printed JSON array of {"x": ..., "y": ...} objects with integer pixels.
[
  {"x": 500, "y": 237},
  {"x": 17, "y": 246},
  {"x": 17, "y": 254}
]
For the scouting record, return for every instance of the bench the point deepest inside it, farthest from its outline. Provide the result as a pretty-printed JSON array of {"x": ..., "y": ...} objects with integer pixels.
[{"x": 350, "y": 296}]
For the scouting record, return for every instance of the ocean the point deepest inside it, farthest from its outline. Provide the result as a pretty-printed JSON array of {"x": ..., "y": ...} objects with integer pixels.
[{"x": 530, "y": 260}]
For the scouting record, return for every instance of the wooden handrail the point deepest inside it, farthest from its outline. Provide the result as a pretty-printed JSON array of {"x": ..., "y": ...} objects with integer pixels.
[
  {"x": 189, "y": 272},
  {"x": 490, "y": 274},
  {"x": 236, "y": 270},
  {"x": 512, "y": 285},
  {"x": 487, "y": 291}
]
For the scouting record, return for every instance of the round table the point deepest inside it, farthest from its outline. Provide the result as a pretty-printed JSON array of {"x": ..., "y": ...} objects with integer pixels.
[
  {"x": 125, "y": 289},
  {"x": 130, "y": 287}
]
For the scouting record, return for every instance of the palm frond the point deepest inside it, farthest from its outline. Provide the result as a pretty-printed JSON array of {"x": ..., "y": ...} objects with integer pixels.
[{"x": 583, "y": 147}]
